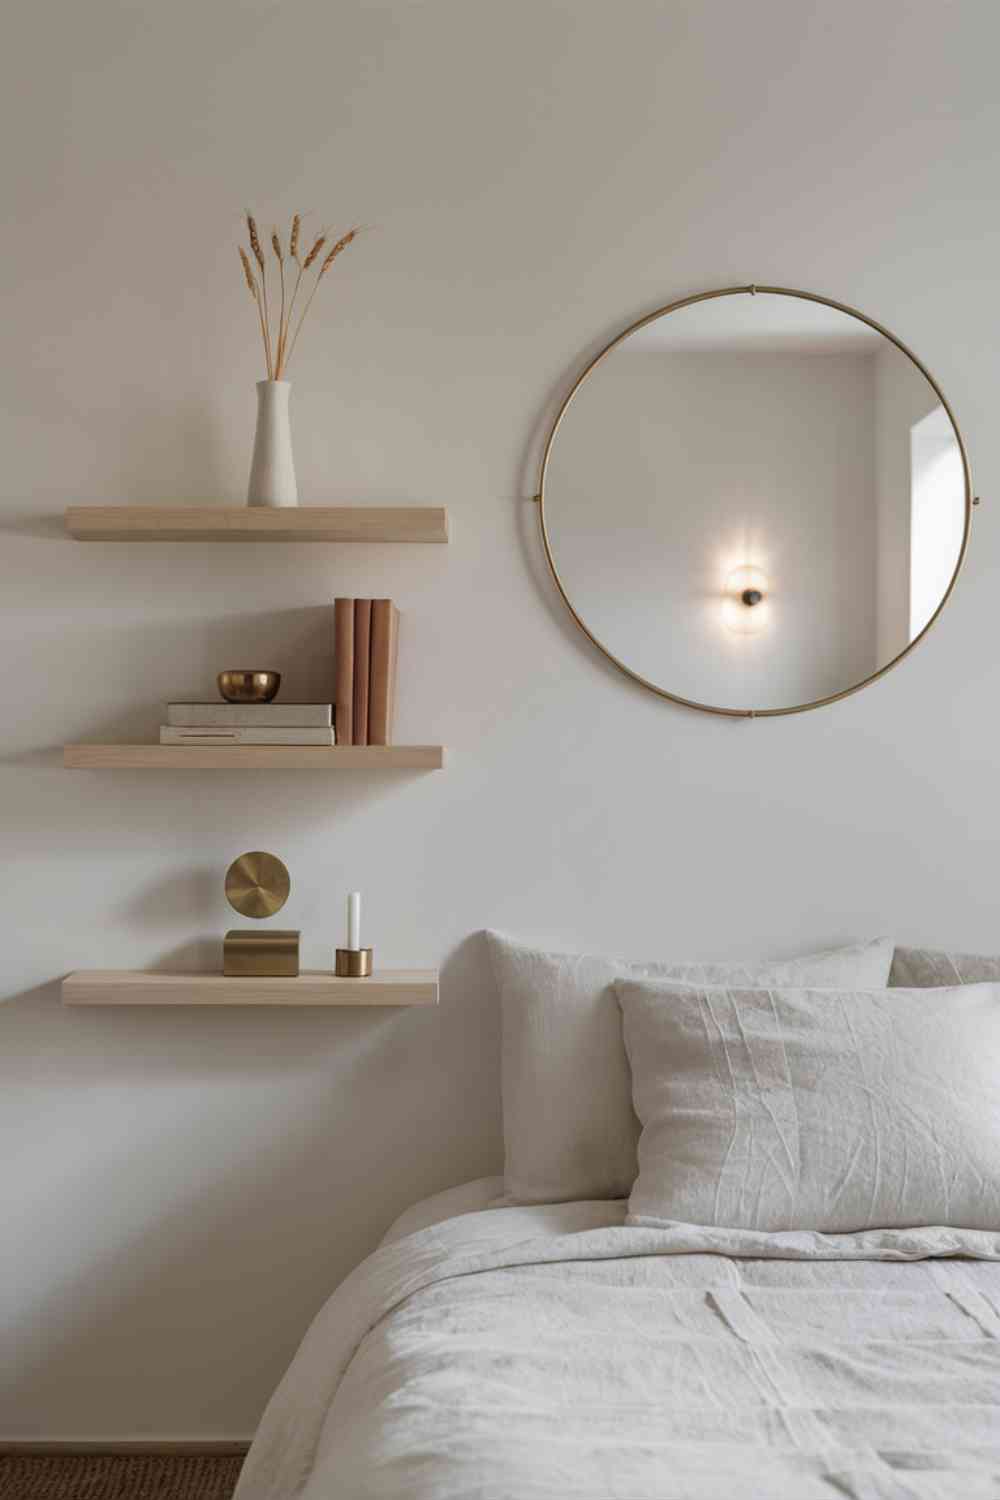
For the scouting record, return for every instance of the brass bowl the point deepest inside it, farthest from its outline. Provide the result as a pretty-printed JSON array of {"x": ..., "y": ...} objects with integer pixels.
[{"x": 249, "y": 687}]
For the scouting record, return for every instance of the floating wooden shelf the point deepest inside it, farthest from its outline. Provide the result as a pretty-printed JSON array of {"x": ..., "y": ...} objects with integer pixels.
[
  {"x": 254, "y": 757},
  {"x": 312, "y": 987},
  {"x": 217, "y": 523}
]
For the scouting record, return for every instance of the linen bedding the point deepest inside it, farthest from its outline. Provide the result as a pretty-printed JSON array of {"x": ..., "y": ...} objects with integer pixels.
[{"x": 550, "y": 1351}]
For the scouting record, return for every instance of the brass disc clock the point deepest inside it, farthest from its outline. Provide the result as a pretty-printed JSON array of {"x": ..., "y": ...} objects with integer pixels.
[{"x": 257, "y": 884}]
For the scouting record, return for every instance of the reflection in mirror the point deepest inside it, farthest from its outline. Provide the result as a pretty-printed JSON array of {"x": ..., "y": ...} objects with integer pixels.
[{"x": 755, "y": 501}]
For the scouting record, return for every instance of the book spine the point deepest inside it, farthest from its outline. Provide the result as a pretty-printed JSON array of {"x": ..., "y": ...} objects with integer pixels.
[
  {"x": 384, "y": 650},
  {"x": 343, "y": 669},
  {"x": 362, "y": 655},
  {"x": 250, "y": 715},
  {"x": 171, "y": 735},
  {"x": 390, "y": 716}
]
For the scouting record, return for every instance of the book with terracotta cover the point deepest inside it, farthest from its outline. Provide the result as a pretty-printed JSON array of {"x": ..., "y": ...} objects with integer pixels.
[
  {"x": 382, "y": 677},
  {"x": 362, "y": 667},
  {"x": 343, "y": 669}
]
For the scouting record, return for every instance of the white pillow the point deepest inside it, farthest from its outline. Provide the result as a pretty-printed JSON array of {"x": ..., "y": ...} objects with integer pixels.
[
  {"x": 569, "y": 1128},
  {"x": 831, "y": 1110},
  {"x": 920, "y": 968}
]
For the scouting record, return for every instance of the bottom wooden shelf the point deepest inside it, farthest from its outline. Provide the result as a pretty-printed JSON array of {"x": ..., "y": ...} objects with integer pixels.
[
  {"x": 312, "y": 987},
  {"x": 254, "y": 757}
]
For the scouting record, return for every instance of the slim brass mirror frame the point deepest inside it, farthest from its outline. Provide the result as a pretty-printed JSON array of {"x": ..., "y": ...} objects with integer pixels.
[{"x": 736, "y": 291}]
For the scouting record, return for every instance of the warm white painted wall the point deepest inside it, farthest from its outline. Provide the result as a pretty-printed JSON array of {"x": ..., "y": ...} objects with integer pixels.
[
  {"x": 670, "y": 470},
  {"x": 181, "y": 1191}
]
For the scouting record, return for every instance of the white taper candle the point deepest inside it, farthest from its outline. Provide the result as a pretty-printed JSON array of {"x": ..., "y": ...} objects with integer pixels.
[{"x": 354, "y": 920}]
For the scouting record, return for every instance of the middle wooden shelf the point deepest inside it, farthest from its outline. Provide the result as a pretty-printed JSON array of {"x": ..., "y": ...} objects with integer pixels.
[{"x": 151, "y": 757}]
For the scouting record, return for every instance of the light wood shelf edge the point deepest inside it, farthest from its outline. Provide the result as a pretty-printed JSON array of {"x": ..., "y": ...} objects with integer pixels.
[
  {"x": 396, "y": 987},
  {"x": 217, "y": 523},
  {"x": 150, "y": 757}
]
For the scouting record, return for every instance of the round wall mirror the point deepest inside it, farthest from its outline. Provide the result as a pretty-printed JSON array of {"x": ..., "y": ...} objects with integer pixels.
[{"x": 755, "y": 501}]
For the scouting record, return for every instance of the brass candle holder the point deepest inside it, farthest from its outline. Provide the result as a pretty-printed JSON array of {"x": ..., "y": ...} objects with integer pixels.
[{"x": 353, "y": 963}]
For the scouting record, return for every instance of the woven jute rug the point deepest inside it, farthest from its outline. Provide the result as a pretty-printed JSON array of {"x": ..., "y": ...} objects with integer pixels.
[{"x": 116, "y": 1476}]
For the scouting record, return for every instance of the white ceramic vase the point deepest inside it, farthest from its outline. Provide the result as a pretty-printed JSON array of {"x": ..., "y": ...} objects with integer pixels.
[{"x": 272, "y": 471}]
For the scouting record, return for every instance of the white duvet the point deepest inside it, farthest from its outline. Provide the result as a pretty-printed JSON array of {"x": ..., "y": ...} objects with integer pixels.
[{"x": 514, "y": 1354}]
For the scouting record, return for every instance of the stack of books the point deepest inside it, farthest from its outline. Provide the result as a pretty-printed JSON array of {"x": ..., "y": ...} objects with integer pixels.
[
  {"x": 366, "y": 648},
  {"x": 249, "y": 724}
]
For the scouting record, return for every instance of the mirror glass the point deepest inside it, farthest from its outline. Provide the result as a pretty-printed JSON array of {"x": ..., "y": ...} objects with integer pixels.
[{"x": 755, "y": 501}]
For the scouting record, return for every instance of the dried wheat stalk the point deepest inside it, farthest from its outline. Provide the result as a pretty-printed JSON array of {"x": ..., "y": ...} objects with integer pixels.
[
  {"x": 331, "y": 256},
  {"x": 341, "y": 244},
  {"x": 259, "y": 257},
  {"x": 278, "y": 353},
  {"x": 317, "y": 247},
  {"x": 276, "y": 247},
  {"x": 303, "y": 267},
  {"x": 252, "y": 284}
]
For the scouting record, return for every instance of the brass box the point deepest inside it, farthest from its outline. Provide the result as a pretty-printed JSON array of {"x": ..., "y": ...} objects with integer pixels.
[{"x": 265, "y": 955}]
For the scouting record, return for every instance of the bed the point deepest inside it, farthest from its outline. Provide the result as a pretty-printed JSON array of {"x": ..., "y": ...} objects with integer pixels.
[
  {"x": 544, "y": 1351},
  {"x": 747, "y": 1244}
]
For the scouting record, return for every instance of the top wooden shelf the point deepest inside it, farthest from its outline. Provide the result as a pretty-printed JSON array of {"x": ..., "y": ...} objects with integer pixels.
[{"x": 217, "y": 523}]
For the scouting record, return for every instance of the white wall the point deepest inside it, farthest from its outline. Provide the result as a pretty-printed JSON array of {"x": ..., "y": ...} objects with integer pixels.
[
  {"x": 182, "y": 1190},
  {"x": 670, "y": 470}
]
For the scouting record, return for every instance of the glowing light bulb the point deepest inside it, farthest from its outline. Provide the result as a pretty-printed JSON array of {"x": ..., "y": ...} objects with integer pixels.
[{"x": 746, "y": 607}]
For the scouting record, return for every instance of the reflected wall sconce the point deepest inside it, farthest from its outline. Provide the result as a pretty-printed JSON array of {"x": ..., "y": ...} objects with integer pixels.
[{"x": 746, "y": 591}]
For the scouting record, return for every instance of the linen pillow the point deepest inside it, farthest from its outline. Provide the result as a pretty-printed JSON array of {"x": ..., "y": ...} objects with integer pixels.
[
  {"x": 920, "y": 968},
  {"x": 831, "y": 1110},
  {"x": 570, "y": 1131}
]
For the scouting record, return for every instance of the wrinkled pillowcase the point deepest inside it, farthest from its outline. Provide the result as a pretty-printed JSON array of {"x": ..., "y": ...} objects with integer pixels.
[
  {"x": 831, "y": 1110},
  {"x": 570, "y": 1131},
  {"x": 921, "y": 968}
]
